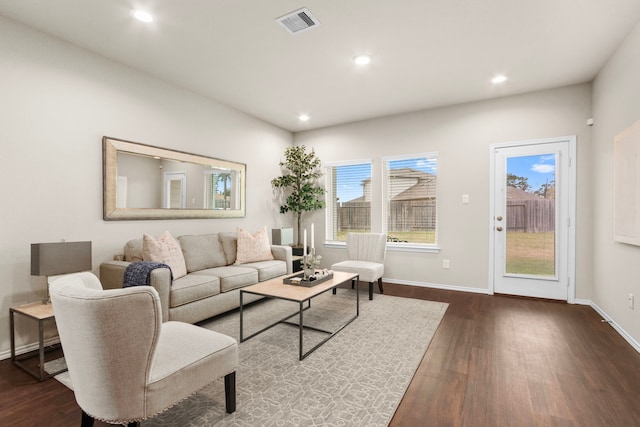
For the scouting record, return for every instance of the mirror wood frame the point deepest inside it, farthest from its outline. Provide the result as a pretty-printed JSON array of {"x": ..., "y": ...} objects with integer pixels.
[{"x": 110, "y": 149}]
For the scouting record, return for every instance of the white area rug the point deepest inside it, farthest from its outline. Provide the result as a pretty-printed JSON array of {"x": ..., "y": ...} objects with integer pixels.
[{"x": 357, "y": 378}]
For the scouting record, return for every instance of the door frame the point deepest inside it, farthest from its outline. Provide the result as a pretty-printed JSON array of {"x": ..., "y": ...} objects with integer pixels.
[
  {"x": 175, "y": 176},
  {"x": 570, "y": 256}
]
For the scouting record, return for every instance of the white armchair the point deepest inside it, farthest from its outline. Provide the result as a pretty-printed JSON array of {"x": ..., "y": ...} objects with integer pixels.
[
  {"x": 125, "y": 364},
  {"x": 365, "y": 253}
]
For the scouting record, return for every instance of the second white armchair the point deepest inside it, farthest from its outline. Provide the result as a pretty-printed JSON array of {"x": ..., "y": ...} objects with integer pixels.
[{"x": 366, "y": 253}]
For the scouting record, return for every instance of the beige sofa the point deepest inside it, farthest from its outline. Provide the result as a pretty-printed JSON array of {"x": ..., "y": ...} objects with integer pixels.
[{"x": 213, "y": 281}]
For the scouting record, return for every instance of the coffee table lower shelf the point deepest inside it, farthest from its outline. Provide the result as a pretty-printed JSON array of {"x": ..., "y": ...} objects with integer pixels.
[{"x": 275, "y": 289}]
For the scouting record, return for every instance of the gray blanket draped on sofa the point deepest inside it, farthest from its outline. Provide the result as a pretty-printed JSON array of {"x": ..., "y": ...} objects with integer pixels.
[{"x": 139, "y": 273}]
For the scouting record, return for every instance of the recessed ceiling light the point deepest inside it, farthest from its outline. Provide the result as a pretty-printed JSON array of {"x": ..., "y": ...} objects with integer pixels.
[
  {"x": 362, "y": 59},
  {"x": 500, "y": 78},
  {"x": 303, "y": 117},
  {"x": 142, "y": 16}
]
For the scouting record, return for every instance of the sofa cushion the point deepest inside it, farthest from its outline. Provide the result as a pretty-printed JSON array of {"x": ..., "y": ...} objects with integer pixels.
[
  {"x": 229, "y": 242},
  {"x": 368, "y": 271},
  {"x": 133, "y": 250},
  {"x": 268, "y": 269},
  {"x": 253, "y": 247},
  {"x": 232, "y": 276},
  {"x": 202, "y": 251},
  {"x": 193, "y": 287},
  {"x": 165, "y": 249}
]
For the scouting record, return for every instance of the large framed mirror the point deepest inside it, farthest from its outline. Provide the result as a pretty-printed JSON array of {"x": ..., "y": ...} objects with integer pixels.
[{"x": 146, "y": 182}]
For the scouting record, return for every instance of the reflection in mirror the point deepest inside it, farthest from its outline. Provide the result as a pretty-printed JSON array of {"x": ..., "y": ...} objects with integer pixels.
[{"x": 147, "y": 182}]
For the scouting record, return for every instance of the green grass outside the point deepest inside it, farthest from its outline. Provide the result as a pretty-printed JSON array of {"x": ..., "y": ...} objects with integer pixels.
[
  {"x": 527, "y": 253},
  {"x": 530, "y": 253}
]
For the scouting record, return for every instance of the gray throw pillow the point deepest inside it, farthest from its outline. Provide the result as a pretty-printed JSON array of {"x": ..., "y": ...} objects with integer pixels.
[{"x": 202, "y": 251}]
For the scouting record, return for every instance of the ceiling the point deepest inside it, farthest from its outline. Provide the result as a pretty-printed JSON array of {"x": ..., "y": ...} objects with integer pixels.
[{"x": 426, "y": 53}]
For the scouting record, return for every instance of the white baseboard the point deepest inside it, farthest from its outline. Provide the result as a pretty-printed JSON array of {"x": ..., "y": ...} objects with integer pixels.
[
  {"x": 615, "y": 326},
  {"x": 29, "y": 347}
]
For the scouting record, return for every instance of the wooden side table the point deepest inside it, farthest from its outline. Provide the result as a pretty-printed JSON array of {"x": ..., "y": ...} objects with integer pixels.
[{"x": 41, "y": 313}]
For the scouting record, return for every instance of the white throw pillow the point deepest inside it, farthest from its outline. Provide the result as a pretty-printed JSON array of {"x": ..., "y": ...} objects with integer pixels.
[
  {"x": 253, "y": 248},
  {"x": 165, "y": 249}
]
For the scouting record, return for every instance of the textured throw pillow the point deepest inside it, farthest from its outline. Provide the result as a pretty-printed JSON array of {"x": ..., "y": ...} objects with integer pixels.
[
  {"x": 164, "y": 249},
  {"x": 252, "y": 248}
]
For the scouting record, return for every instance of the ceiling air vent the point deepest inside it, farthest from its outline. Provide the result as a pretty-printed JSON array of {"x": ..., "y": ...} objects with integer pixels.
[{"x": 298, "y": 21}]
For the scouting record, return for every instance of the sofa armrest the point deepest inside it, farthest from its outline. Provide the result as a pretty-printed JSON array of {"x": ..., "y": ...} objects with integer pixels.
[
  {"x": 283, "y": 253},
  {"x": 112, "y": 274},
  {"x": 161, "y": 282},
  {"x": 112, "y": 277}
]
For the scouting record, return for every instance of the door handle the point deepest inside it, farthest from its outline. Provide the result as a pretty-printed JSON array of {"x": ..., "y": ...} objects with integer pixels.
[{"x": 499, "y": 228}]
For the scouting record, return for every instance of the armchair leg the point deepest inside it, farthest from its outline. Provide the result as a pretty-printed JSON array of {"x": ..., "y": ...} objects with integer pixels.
[
  {"x": 134, "y": 424},
  {"x": 370, "y": 290},
  {"x": 87, "y": 420},
  {"x": 380, "y": 285},
  {"x": 230, "y": 392}
]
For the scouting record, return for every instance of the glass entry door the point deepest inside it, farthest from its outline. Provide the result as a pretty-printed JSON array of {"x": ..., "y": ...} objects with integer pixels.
[{"x": 531, "y": 220}]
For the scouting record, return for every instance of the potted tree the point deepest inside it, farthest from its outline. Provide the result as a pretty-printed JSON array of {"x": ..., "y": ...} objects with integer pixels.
[{"x": 298, "y": 185}]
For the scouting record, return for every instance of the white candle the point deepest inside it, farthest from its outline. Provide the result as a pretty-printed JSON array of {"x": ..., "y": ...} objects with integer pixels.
[
  {"x": 304, "y": 244},
  {"x": 312, "y": 237}
]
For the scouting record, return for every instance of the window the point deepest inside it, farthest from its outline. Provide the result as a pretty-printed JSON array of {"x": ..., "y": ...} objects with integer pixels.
[
  {"x": 220, "y": 189},
  {"x": 348, "y": 199},
  {"x": 410, "y": 199}
]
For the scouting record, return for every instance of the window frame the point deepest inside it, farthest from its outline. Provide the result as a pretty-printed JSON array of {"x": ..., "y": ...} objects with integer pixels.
[
  {"x": 330, "y": 204},
  {"x": 400, "y": 246}
]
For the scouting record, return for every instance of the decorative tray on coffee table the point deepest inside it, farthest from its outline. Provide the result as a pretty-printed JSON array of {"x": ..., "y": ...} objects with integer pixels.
[{"x": 298, "y": 280}]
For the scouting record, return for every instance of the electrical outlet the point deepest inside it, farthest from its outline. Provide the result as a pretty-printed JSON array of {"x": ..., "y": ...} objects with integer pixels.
[
  {"x": 630, "y": 301},
  {"x": 445, "y": 263}
]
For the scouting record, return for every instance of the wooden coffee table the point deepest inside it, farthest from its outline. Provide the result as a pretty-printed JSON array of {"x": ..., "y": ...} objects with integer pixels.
[{"x": 276, "y": 289}]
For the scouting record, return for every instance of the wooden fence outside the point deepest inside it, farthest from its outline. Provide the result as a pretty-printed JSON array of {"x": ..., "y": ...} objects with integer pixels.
[
  {"x": 354, "y": 216},
  {"x": 531, "y": 216},
  {"x": 405, "y": 215}
]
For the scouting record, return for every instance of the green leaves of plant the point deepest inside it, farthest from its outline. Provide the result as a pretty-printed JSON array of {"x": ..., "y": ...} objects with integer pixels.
[{"x": 299, "y": 182}]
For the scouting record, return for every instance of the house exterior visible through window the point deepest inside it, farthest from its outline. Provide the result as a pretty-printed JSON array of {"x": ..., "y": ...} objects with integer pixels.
[
  {"x": 348, "y": 199},
  {"x": 410, "y": 199}
]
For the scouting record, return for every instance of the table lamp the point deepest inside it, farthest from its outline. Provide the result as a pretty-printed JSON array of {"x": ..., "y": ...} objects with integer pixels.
[
  {"x": 282, "y": 236},
  {"x": 51, "y": 259}
]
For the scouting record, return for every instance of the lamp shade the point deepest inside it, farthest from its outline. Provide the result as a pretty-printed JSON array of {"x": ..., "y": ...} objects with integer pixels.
[
  {"x": 50, "y": 259},
  {"x": 282, "y": 236}
]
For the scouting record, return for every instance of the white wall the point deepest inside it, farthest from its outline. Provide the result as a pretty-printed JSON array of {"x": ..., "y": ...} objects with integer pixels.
[
  {"x": 462, "y": 135},
  {"x": 616, "y": 106},
  {"x": 56, "y": 103},
  {"x": 59, "y": 100}
]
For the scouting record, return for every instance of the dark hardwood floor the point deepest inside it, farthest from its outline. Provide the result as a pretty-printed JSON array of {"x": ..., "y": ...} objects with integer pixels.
[
  {"x": 494, "y": 361},
  {"x": 506, "y": 361}
]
